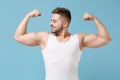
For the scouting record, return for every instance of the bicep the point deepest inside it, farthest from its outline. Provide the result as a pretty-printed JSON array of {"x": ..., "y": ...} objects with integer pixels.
[
  {"x": 29, "y": 39},
  {"x": 93, "y": 41}
]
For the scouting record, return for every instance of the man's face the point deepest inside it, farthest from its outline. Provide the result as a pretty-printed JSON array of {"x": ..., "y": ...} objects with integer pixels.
[{"x": 56, "y": 23}]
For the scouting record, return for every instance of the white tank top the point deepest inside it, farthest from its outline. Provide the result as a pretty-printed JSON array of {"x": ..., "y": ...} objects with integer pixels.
[{"x": 62, "y": 58}]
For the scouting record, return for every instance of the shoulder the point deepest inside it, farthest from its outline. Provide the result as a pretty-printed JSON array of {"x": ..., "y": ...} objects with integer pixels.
[
  {"x": 81, "y": 39},
  {"x": 81, "y": 35},
  {"x": 43, "y": 34}
]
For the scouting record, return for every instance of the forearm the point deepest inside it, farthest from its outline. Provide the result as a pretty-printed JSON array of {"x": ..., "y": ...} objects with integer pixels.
[
  {"x": 22, "y": 28},
  {"x": 102, "y": 31}
]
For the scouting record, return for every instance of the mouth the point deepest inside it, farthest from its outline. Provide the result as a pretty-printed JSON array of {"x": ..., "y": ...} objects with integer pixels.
[{"x": 52, "y": 27}]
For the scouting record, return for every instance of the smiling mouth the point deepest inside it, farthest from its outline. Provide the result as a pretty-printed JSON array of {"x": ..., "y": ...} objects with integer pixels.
[{"x": 52, "y": 27}]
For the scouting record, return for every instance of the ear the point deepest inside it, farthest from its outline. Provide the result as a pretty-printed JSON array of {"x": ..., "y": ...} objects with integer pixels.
[{"x": 65, "y": 23}]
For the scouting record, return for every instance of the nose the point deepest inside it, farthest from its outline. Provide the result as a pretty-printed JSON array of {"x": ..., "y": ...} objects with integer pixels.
[{"x": 51, "y": 23}]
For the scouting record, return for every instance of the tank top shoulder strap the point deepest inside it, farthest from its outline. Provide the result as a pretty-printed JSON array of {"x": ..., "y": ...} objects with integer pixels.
[
  {"x": 49, "y": 40},
  {"x": 75, "y": 38},
  {"x": 50, "y": 36}
]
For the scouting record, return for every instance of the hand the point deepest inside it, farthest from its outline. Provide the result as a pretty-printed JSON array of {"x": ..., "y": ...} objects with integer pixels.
[
  {"x": 34, "y": 13},
  {"x": 88, "y": 17}
]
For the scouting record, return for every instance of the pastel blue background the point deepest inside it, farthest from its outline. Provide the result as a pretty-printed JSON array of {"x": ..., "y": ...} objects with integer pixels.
[{"x": 19, "y": 62}]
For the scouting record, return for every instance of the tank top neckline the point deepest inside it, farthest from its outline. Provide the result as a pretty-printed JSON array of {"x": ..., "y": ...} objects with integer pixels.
[{"x": 65, "y": 41}]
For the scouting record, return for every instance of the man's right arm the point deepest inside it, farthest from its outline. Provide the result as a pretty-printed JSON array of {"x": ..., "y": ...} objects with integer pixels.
[{"x": 21, "y": 35}]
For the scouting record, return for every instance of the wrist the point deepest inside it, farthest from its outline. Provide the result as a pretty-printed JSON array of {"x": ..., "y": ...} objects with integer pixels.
[
  {"x": 28, "y": 15},
  {"x": 95, "y": 19}
]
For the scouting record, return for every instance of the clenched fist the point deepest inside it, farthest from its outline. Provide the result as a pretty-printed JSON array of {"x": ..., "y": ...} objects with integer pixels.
[
  {"x": 88, "y": 17},
  {"x": 34, "y": 13}
]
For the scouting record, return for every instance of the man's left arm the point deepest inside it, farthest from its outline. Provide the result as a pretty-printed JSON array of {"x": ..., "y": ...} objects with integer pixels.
[{"x": 99, "y": 39}]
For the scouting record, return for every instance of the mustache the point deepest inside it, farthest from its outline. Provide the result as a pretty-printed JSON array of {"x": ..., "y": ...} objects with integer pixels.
[{"x": 51, "y": 25}]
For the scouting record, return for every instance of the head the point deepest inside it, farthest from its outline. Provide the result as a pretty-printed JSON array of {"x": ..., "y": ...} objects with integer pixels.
[{"x": 60, "y": 19}]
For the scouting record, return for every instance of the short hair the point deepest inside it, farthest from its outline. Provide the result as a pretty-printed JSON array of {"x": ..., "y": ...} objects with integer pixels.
[{"x": 63, "y": 12}]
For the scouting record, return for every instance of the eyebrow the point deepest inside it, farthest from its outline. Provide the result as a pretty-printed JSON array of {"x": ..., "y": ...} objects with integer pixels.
[{"x": 53, "y": 20}]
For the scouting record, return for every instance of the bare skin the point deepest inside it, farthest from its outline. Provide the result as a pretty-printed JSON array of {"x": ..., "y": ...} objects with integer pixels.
[{"x": 59, "y": 26}]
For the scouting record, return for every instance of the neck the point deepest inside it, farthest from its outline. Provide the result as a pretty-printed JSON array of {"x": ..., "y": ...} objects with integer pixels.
[{"x": 63, "y": 34}]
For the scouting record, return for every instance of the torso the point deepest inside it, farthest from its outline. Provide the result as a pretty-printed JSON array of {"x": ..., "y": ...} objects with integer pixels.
[{"x": 61, "y": 57}]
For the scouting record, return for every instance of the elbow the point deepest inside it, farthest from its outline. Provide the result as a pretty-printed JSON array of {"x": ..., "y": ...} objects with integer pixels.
[
  {"x": 16, "y": 38},
  {"x": 108, "y": 40}
]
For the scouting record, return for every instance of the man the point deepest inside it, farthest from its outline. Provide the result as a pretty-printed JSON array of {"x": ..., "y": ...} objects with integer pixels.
[{"x": 61, "y": 50}]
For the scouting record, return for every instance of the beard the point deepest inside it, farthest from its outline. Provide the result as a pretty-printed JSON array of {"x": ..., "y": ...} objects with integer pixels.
[{"x": 57, "y": 30}]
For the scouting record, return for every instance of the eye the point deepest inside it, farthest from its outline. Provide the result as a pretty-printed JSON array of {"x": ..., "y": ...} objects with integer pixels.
[{"x": 54, "y": 21}]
